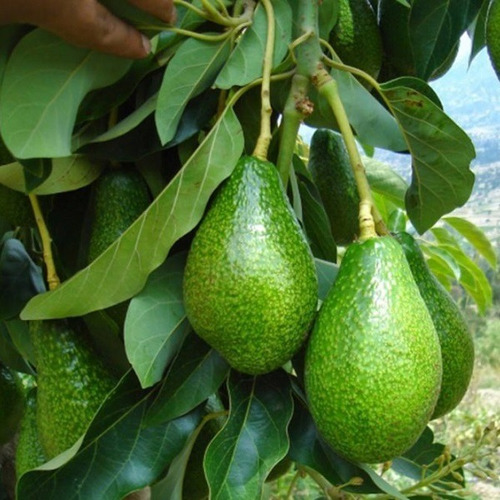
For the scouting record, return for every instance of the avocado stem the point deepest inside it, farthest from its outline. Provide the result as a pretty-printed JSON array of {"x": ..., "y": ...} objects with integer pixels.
[
  {"x": 328, "y": 89},
  {"x": 264, "y": 139},
  {"x": 297, "y": 107},
  {"x": 52, "y": 277}
]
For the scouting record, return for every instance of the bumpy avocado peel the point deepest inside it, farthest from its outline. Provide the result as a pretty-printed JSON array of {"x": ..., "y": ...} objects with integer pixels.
[
  {"x": 72, "y": 382},
  {"x": 373, "y": 363},
  {"x": 457, "y": 347},
  {"x": 250, "y": 285}
]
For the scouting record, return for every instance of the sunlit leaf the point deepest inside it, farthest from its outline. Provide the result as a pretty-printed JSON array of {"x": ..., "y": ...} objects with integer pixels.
[
  {"x": 122, "y": 270},
  {"x": 385, "y": 181},
  {"x": 156, "y": 323},
  {"x": 245, "y": 62},
  {"x": 475, "y": 236},
  {"x": 441, "y": 157},
  {"x": 192, "y": 70},
  {"x": 45, "y": 81}
]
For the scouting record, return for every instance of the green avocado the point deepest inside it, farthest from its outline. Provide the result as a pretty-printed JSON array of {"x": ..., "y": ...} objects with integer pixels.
[
  {"x": 118, "y": 198},
  {"x": 356, "y": 38},
  {"x": 11, "y": 403},
  {"x": 332, "y": 173},
  {"x": 29, "y": 451},
  {"x": 250, "y": 285},
  {"x": 72, "y": 382},
  {"x": 373, "y": 362},
  {"x": 457, "y": 347}
]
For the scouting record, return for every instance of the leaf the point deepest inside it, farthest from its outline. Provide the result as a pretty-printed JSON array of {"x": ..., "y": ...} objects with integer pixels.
[
  {"x": 192, "y": 70},
  {"x": 441, "y": 153},
  {"x": 196, "y": 373},
  {"x": 18, "y": 332},
  {"x": 122, "y": 270},
  {"x": 20, "y": 278},
  {"x": 45, "y": 81},
  {"x": 245, "y": 62},
  {"x": 477, "y": 31},
  {"x": 253, "y": 439},
  {"x": 447, "y": 264},
  {"x": 327, "y": 17},
  {"x": 435, "y": 26},
  {"x": 308, "y": 449},
  {"x": 419, "y": 461},
  {"x": 385, "y": 181},
  {"x": 327, "y": 272},
  {"x": 443, "y": 236},
  {"x": 67, "y": 174},
  {"x": 475, "y": 236},
  {"x": 472, "y": 277},
  {"x": 118, "y": 454},
  {"x": 9, "y": 354},
  {"x": 156, "y": 323}
]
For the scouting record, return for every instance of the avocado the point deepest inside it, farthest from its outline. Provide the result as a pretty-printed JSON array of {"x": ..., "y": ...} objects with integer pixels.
[
  {"x": 356, "y": 38},
  {"x": 250, "y": 285},
  {"x": 11, "y": 403},
  {"x": 72, "y": 382},
  {"x": 118, "y": 198},
  {"x": 332, "y": 173},
  {"x": 29, "y": 452},
  {"x": 373, "y": 361},
  {"x": 457, "y": 347}
]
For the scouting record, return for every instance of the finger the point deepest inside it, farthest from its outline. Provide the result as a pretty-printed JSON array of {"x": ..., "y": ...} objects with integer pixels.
[
  {"x": 92, "y": 26},
  {"x": 162, "y": 9}
]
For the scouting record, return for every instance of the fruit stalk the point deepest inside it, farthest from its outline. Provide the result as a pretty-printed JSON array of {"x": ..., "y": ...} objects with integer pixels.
[
  {"x": 52, "y": 277},
  {"x": 297, "y": 107},
  {"x": 264, "y": 138},
  {"x": 370, "y": 220}
]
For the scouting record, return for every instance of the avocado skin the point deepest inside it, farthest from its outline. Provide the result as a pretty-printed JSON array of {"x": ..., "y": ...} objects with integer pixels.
[
  {"x": 457, "y": 347},
  {"x": 118, "y": 198},
  {"x": 332, "y": 173},
  {"x": 250, "y": 285},
  {"x": 72, "y": 382},
  {"x": 29, "y": 451},
  {"x": 11, "y": 403},
  {"x": 373, "y": 362}
]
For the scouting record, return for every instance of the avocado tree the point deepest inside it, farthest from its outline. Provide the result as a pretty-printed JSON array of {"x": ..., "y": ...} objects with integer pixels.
[{"x": 196, "y": 384}]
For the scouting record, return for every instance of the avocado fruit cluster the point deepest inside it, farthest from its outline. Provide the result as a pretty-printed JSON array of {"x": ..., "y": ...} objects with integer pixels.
[
  {"x": 250, "y": 285},
  {"x": 373, "y": 363}
]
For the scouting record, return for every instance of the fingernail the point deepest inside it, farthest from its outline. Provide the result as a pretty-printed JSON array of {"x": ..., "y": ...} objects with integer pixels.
[{"x": 146, "y": 44}]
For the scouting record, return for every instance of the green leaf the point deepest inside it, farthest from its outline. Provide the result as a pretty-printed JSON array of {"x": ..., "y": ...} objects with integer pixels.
[
  {"x": 245, "y": 62},
  {"x": 192, "y": 70},
  {"x": 443, "y": 236},
  {"x": 122, "y": 270},
  {"x": 419, "y": 461},
  {"x": 477, "y": 31},
  {"x": 67, "y": 174},
  {"x": 196, "y": 373},
  {"x": 9, "y": 353},
  {"x": 475, "y": 236},
  {"x": 327, "y": 17},
  {"x": 447, "y": 264},
  {"x": 156, "y": 323},
  {"x": 253, "y": 439},
  {"x": 441, "y": 153},
  {"x": 385, "y": 181},
  {"x": 435, "y": 26},
  {"x": 472, "y": 278},
  {"x": 118, "y": 454},
  {"x": 45, "y": 81},
  {"x": 327, "y": 272}
]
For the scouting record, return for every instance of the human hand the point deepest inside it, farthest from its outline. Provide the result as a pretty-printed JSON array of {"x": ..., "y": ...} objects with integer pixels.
[{"x": 87, "y": 23}]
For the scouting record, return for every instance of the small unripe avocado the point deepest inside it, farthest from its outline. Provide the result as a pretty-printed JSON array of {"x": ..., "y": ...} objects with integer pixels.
[
  {"x": 332, "y": 173},
  {"x": 250, "y": 285},
  {"x": 457, "y": 347},
  {"x": 29, "y": 451},
  {"x": 72, "y": 382},
  {"x": 11, "y": 403},
  {"x": 373, "y": 362}
]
